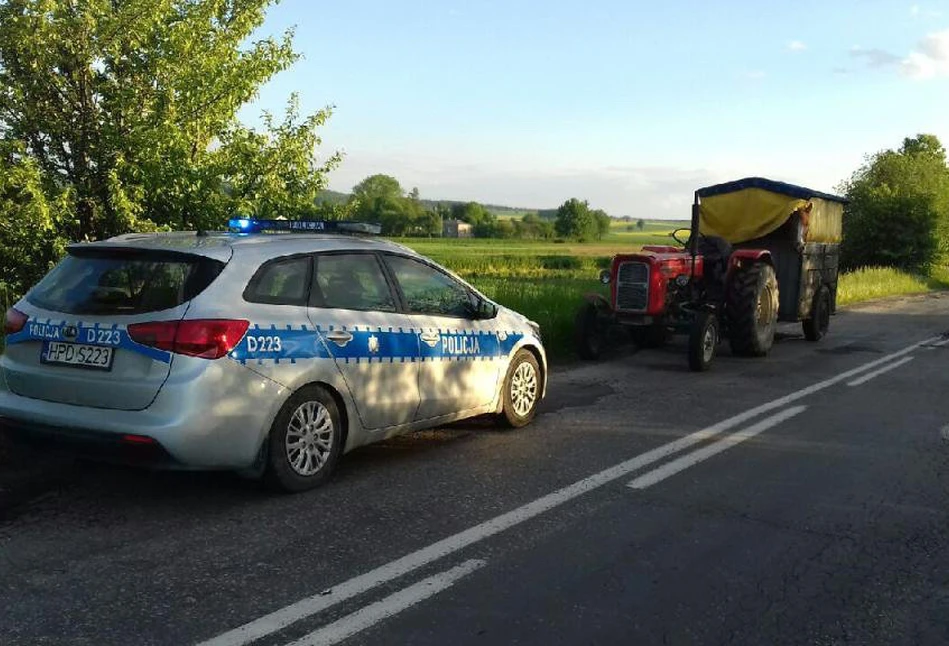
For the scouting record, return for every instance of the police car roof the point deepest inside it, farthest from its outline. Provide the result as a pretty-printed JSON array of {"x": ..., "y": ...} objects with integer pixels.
[{"x": 221, "y": 246}]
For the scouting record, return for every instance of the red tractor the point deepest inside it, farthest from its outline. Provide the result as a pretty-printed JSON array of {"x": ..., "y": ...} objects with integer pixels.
[{"x": 757, "y": 252}]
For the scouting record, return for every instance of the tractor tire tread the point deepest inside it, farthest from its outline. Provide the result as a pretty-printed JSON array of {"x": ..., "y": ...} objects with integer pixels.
[{"x": 742, "y": 310}]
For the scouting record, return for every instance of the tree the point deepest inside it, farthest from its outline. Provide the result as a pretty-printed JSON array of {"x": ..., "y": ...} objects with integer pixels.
[
  {"x": 378, "y": 187},
  {"x": 602, "y": 222},
  {"x": 640, "y": 224},
  {"x": 117, "y": 116},
  {"x": 484, "y": 223},
  {"x": 576, "y": 220},
  {"x": 898, "y": 215}
]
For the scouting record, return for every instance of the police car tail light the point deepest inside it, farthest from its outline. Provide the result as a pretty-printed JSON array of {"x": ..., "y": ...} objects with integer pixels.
[
  {"x": 15, "y": 321},
  {"x": 204, "y": 338},
  {"x": 209, "y": 339}
]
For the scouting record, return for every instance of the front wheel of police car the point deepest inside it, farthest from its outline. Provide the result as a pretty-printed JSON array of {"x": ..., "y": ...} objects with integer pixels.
[
  {"x": 305, "y": 441},
  {"x": 521, "y": 393}
]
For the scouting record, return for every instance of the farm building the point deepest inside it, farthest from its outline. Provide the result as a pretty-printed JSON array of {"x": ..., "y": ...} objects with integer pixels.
[{"x": 456, "y": 229}]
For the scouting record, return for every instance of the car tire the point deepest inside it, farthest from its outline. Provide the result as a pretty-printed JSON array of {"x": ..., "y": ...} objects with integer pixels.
[
  {"x": 521, "y": 390},
  {"x": 703, "y": 340},
  {"x": 305, "y": 441},
  {"x": 815, "y": 327}
]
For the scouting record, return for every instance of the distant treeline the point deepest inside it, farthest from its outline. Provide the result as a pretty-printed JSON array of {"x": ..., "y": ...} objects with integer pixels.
[{"x": 381, "y": 199}]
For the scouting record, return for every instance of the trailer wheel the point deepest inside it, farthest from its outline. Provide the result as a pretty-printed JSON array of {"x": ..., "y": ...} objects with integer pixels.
[
  {"x": 815, "y": 327},
  {"x": 752, "y": 310},
  {"x": 703, "y": 339},
  {"x": 588, "y": 332}
]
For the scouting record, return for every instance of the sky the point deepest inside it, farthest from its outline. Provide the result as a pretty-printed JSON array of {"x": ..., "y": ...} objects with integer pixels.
[{"x": 630, "y": 105}]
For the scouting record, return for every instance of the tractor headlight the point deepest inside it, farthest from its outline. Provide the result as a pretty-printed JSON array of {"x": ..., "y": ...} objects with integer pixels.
[
  {"x": 682, "y": 280},
  {"x": 605, "y": 277}
]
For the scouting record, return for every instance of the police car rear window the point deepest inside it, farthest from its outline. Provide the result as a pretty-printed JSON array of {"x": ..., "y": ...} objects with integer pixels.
[{"x": 123, "y": 282}]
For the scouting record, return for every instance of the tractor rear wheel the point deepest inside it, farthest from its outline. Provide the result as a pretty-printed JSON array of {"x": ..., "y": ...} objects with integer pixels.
[
  {"x": 588, "y": 332},
  {"x": 752, "y": 309}
]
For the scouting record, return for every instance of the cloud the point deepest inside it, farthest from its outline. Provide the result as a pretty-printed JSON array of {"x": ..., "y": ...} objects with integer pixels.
[
  {"x": 755, "y": 75},
  {"x": 796, "y": 46},
  {"x": 914, "y": 11},
  {"x": 842, "y": 70},
  {"x": 875, "y": 57},
  {"x": 931, "y": 59}
]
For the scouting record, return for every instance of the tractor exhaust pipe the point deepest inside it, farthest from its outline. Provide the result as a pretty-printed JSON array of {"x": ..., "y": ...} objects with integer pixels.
[{"x": 694, "y": 244}]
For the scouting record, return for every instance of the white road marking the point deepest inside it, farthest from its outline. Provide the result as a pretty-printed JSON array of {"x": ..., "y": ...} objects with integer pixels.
[
  {"x": 390, "y": 606},
  {"x": 280, "y": 619},
  {"x": 876, "y": 373},
  {"x": 939, "y": 344},
  {"x": 691, "y": 459}
]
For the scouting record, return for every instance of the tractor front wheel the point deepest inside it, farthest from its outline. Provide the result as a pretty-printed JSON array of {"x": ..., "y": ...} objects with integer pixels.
[
  {"x": 752, "y": 309},
  {"x": 703, "y": 339},
  {"x": 589, "y": 333}
]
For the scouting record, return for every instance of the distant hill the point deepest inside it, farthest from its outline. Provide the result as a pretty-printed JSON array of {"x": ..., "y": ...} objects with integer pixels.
[{"x": 333, "y": 197}]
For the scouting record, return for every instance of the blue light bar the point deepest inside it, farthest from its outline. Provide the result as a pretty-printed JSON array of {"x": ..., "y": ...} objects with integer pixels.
[{"x": 248, "y": 225}]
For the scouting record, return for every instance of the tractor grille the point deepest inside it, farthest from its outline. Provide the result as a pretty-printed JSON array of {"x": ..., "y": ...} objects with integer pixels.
[{"x": 632, "y": 286}]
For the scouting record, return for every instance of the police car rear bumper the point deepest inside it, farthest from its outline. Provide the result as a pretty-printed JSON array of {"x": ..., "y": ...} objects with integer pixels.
[{"x": 215, "y": 422}]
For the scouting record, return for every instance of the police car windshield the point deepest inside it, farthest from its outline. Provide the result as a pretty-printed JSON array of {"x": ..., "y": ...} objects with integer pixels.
[{"x": 123, "y": 283}]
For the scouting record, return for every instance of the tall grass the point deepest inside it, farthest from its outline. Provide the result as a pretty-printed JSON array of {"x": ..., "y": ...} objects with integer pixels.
[
  {"x": 551, "y": 302},
  {"x": 869, "y": 283}
]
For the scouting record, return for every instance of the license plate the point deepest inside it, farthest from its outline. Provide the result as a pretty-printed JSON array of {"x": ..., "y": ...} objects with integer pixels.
[{"x": 78, "y": 355}]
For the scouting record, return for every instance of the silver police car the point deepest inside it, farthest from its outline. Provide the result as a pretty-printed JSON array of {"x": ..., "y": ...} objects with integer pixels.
[{"x": 271, "y": 354}]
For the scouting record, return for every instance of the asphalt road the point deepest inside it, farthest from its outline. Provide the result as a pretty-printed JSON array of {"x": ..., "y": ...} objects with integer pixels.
[{"x": 800, "y": 498}]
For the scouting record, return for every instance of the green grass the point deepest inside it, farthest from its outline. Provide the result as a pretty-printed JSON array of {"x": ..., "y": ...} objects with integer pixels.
[
  {"x": 552, "y": 303},
  {"x": 877, "y": 282}
]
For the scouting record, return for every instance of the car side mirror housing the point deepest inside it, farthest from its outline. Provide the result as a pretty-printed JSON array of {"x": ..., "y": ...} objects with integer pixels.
[{"x": 482, "y": 309}]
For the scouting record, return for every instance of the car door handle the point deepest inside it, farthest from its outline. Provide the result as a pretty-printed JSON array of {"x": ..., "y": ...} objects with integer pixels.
[
  {"x": 430, "y": 338},
  {"x": 340, "y": 337}
]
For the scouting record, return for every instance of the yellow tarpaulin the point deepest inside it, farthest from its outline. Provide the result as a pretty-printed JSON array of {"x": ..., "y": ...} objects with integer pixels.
[
  {"x": 825, "y": 223},
  {"x": 750, "y": 213}
]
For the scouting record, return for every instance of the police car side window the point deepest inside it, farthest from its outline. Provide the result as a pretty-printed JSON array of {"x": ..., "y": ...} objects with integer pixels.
[
  {"x": 352, "y": 282},
  {"x": 429, "y": 291},
  {"x": 281, "y": 282}
]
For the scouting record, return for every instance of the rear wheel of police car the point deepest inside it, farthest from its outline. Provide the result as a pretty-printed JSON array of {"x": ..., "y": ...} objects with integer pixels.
[
  {"x": 521, "y": 390},
  {"x": 305, "y": 441}
]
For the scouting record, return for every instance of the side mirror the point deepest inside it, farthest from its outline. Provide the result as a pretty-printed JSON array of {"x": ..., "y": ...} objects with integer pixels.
[
  {"x": 481, "y": 309},
  {"x": 677, "y": 236}
]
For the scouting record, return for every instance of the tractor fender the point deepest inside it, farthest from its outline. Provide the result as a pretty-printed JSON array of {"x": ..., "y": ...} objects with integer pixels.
[{"x": 741, "y": 256}]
